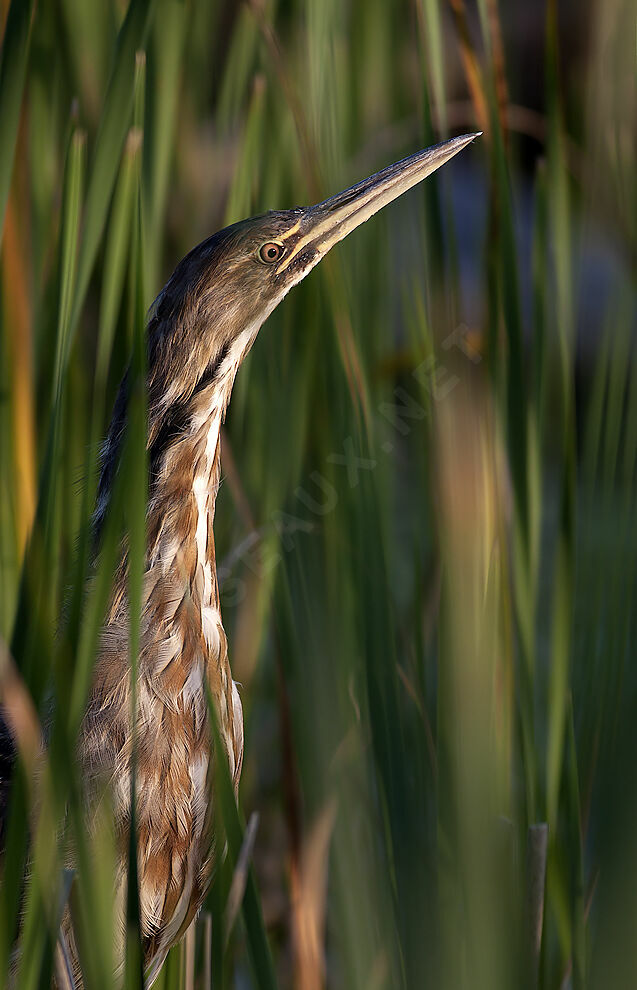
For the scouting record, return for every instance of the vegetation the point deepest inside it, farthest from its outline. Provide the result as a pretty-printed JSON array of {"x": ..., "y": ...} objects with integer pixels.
[{"x": 427, "y": 535}]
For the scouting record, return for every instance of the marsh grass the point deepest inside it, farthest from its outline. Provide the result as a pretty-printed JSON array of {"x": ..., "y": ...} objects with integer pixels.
[{"x": 426, "y": 530}]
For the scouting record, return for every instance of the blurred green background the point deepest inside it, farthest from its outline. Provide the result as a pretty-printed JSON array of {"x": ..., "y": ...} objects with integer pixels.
[{"x": 426, "y": 534}]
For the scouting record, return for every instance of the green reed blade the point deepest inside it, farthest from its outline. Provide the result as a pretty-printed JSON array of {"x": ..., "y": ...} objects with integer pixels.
[
  {"x": 13, "y": 66},
  {"x": 114, "y": 271},
  {"x": 136, "y": 470},
  {"x": 234, "y": 831},
  {"x": 114, "y": 124},
  {"x": 38, "y": 586},
  {"x": 165, "y": 66}
]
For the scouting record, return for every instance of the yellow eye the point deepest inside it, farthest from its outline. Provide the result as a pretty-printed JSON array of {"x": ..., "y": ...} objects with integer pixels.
[{"x": 271, "y": 252}]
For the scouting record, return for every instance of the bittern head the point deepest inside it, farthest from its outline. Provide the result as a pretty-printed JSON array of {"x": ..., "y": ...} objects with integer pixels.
[{"x": 219, "y": 296}]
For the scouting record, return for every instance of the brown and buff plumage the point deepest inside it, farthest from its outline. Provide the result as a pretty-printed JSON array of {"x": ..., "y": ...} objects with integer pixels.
[
  {"x": 200, "y": 328},
  {"x": 183, "y": 643}
]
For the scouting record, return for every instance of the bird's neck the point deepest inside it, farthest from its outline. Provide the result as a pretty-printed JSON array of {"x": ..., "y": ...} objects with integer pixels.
[
  {"x": 182, "y": 507},
  {"x": 184, "y": 476},
  {"x": 185, "y": 471}
]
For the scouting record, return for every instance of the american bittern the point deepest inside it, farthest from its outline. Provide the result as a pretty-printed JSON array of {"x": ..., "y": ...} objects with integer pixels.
[{"x": 200, "y": 328}]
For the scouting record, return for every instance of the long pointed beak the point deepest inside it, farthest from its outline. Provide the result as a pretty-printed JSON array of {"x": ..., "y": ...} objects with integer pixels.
[{"x": 327, "y": 223}]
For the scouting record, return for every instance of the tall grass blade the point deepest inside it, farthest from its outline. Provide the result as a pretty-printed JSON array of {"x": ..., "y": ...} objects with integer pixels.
[
  {"x": 228, "y": 815},
  {"x": 39, "y": 587},
  {"x": 114, "y": 124},
  {"x": 166, "y": 54},
  {"x": 137, "y": 473},
  {"x": 13, "y": 66}
]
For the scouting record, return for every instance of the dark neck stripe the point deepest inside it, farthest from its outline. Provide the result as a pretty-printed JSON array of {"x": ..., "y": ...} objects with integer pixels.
[
  {"x": 176, "y": 420},
  {"x": 174, "y": 425},
  {"x": 211, "y": 371}
]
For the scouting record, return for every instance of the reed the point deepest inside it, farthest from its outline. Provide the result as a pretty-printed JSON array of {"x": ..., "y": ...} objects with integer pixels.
[{"x": 427, "y": 538}]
